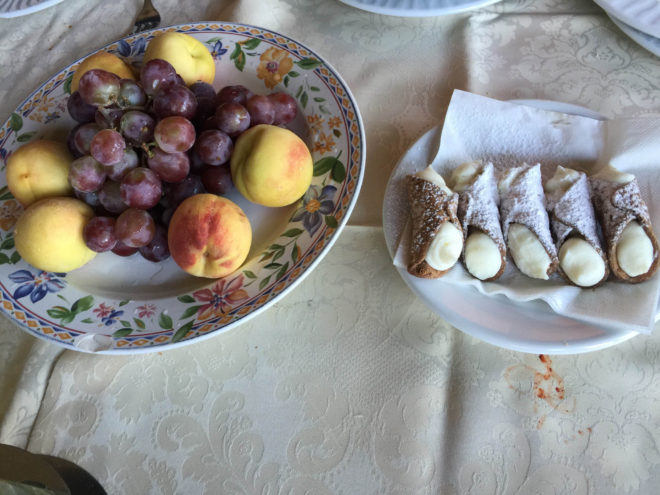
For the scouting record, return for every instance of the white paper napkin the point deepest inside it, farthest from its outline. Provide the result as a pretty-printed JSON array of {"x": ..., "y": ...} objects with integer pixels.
[{"x": 509, "y": 134}]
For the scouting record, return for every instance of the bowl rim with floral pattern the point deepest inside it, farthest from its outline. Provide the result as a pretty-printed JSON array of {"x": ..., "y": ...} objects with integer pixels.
[{"x": 61, "y": 308}]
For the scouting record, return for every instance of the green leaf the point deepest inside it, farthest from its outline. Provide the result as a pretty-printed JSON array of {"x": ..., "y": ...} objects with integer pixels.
[
  {"x": 308, "y": 63},
  {"x": 213, "y": 41},
  {"x": 264, "y": 282},
  {"x": 249, "y": 274},
  {"x": 303, "y": 99},
  {"x": 275, "y": 247},
  {"x": 182, "y": 331},
  {"x": 15, "y": 122},
  {"x": 23, "y": 138},
  {"x": 165, "y": 321},
  {"x": 324, "y": 110},
  {"x": 87, "y": 320},
  {"x": 293, "y": 233},
  {"x": 292, "y": 73},
  {"x": 15, "y": 258},
  {"x": 336, "y": 132},
  {"x": 338, "y": 172},
  {"x": 8, "y": 243},
  {"x": 67, "y": 84},
  {"x": 189, "y": 312},
  {"x": 67, "y": 319},
  {"x": 318, "y": 99},
  {"x": 186, "y": 298},
  {"x": 314, "y": 88},
  {"x": 267, "y": 255},
  {"x": 122, "y": 332},
  {"x": 139, "y": 323},
  {"x": 278, "y": 254},
  {"x": 82, "y": 304},
  {"x": 124, "y": 303},
  {"x": 331, "y": 221},
  {"x": 126, "y": 323},
  {"x": 5, "y": 194},
  {"x": 4, "y": 259},
  {"x": 251, "y": 44},
  {"x": 282, "y": 271},
  {"x": 57, "y": 312},
  {"x": 286, "y": 81},
  {"x": 272, "y": 266},
  {"x": 299, "y": 92},
  {"x": 294, "y": 253},
  {"x": 238, "y": 57},
  {"x": 324, "y": 165}
]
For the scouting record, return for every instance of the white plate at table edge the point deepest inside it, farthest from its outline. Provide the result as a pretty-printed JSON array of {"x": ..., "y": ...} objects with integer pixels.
[
  {"x": 400, "y": 9},
  {"x": 21, "y": 11},
  {"x": 530, "y": 327},
  {"x": 319, "y": 243},
  {"x": 651, "y": 43},
  {"x": 648, "y": 22}
]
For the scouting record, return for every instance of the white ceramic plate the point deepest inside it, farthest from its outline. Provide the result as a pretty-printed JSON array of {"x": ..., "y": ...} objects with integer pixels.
[
  {"x": 417, "y": 8},
  {"x": 643, "y": 15},
  {"x": 16, "y": 8},
  {"x": 116, "y": 304},
  {"x": 647, "y": 41},
  {"x": 528, "y": 327}
]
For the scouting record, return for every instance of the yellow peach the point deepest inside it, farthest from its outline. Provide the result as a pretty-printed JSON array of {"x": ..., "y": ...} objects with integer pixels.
[
  {"x": 209, "y": 236},
  {"x": 39, "y": 169},
  {"x": 49, "y": 234},
  {"x": 271, "y": 165},
  {"x": 189, "y": 57},
  {"x": 102, "y": 60}
]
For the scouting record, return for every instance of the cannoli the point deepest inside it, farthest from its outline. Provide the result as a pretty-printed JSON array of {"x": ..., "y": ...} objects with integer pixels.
[
  {"x": 525, "y": 222},
  {"x": 484, "y": 253},
  {"x": 632, "y": 247},
  {"x": 582, "y": 260},
  {"x": 437, "y": 238}
]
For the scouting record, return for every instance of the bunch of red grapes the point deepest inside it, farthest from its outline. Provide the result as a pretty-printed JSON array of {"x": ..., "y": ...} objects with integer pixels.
[{"x": 142, "y": 147}]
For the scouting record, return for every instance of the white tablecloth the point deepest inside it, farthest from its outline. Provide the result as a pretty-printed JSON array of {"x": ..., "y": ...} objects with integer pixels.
[{"x": 350, "y": 385}]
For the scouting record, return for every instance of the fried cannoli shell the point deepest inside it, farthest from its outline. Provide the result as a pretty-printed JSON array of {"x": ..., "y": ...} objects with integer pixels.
[
  {"x": 524, "y": 203},
  {"x": 616, "y": 206},
  {"x": 478, "y": 210},
  {"x": 572, "y": 214},
  {"x": 430, "y": 209}
]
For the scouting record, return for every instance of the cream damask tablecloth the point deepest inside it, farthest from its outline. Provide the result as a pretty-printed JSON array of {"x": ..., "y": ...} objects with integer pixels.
[{"x": 350, "y": 385}]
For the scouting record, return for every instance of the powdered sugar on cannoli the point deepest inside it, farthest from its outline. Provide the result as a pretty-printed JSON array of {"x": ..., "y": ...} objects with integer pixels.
[
  {"x": 632, "y": 247},
  {"x": 573, "y": 221},
  {"x": 437, "y": 238},
  {"x": 484, "y": 254},
  {"x": 525, "y": 222}
]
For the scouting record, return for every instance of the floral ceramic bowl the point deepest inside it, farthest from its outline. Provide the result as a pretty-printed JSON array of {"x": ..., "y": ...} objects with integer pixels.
[{"x": 116, "y": 304}]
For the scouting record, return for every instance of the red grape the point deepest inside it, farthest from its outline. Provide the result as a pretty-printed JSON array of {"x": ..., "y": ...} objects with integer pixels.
[
  {"x": 110, "y": 197},
  {"x": 156, "y": 72},
  {"x": 137, "y": 127},
  {"x": 233, "y": 94},
  {"x": 189, "y": 186},
  {"x": 86, "y": 174},
  {"x": 285, "y": 108},
  {"x": 157, "y": 250},
  {"x": 214, "y": 147},
  {"x": 217, "y": 179},
  {"x": 99, "y": 87},
  {"x": 82, "y": 135},
  {"x": 131, "y": 94},
  {"x": 141, "y": 188},
  {"x": 107, "y": 146},
  {"x": 99, "y": 234},
  {"x": 262, "y": 110},
  {"x": 170, "y": 167},
  {"x": 122, "y": 249},
  {"x": 174, "y": 134},
  {"x": 129, "y": 161},
  {"x": 108, "y": 117},
  {"x": 232, "y": 118},
  {"x": 174, "y": 99},
  {"x": 79, "y": 110},
  {"x": 135, "y": 227}
]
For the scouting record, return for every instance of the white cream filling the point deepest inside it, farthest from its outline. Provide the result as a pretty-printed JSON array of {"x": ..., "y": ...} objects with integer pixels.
[
  {"x": 612, "y": 174},
  {"x": 445, "y": 247},
  {"x": 527, "y": 251},
  {"x": 482, "y": 257},
  {"x": 581, "y": 262},
  {"x": 562, "y": 180},
  {"x": 464, "y": 175},
  {"x": 434, "y": 178},
  {"x": 634, "y": 252}
]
